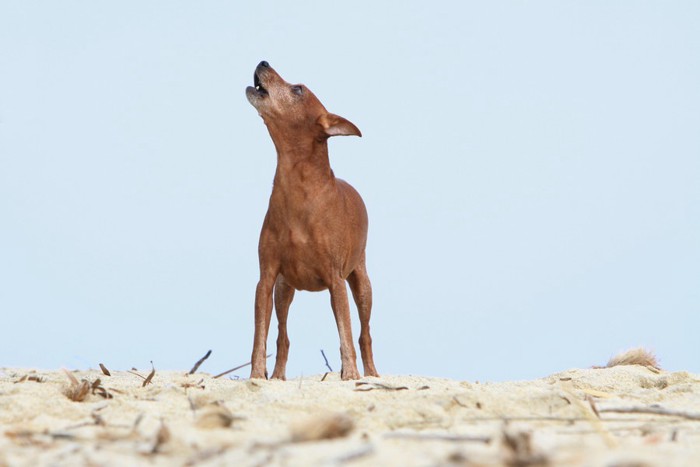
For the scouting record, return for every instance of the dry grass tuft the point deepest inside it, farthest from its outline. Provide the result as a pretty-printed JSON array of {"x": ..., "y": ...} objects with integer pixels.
[
  {"x": 637, "y": 356},
  {"x": 78, "y": 390}
]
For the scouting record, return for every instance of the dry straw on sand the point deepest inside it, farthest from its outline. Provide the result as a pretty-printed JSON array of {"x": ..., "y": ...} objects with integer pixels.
[{"x": 628, "y": 414}]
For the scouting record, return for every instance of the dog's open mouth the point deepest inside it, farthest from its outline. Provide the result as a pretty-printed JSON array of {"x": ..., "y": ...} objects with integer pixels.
[{"x": 258, "y": 85}]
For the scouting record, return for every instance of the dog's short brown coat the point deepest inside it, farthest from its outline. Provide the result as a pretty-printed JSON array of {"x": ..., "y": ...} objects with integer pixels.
[{"x": 315, "y": 231}]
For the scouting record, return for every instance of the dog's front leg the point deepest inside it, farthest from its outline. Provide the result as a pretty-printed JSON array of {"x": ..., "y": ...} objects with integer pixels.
[
  {"x": 283, "y": 296},
  {"x": 263, "y": 314},
  {"x": 341, "y": 310}
]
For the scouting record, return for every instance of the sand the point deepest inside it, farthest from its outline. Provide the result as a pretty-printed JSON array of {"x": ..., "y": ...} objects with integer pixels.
[{"x": 573, "y": 418}]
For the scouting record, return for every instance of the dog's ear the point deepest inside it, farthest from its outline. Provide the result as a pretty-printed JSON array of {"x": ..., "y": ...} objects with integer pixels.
[{"x": 335, "y": 125}]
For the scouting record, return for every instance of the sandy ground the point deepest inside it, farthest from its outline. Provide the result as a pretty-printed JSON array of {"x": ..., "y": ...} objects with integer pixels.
[{"x": 621, "y": 416}]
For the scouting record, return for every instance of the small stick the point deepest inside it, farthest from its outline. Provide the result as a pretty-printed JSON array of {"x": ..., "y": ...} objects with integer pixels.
[
  {"x": 150, "y": 376},
  {"x": 593, "y": 406},
  {"x": 79, "y": 425},
  {"x": 594, "y": 420},
  {"x": 237, "y": 368},
  {"x": 137, "y": 422},
  {"x": 354, "y": 455},
  {"x": 326, "y": 360},
  {"x": 459, "y": 403},
  {"x": 653, "y": 410},
  {"x": 134, "y": 373},
  {"x": 199, "y": 362},
  {"x": 370, "y": 386},
  {"x": 73, "y": 379},
  {"x": 162, "y": 437},
  {"x": 438, "y": 437},
  {"x": 105, "y": 371}
]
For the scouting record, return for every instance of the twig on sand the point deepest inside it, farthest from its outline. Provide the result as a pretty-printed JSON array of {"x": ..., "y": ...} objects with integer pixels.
[
  {"x": 207, "y": 454},
  {"x": 591, "y": 402},
  {"x": 146, "y": 379},
  {"x": 459, "y": 403},
  {"x": 150, "y": 376},
  {"x": 365, "y": 386},
  {"x": 351, "y": 456},
  {"x": 237, "y": 368},
  {"x": 100, "y": 390},
  {"x": 326, "y": 360},
  {"x": 162, "y": 437},
  {"x": 96, "y": 420},
  {"x": 438, "y": 437},
  {"x": 653, "y": 410},
  {"x": 136, "y": 374},
  {"x": 105, "y": 371},
  {"x": 35, "y": 378},
  {"x": 199, "y": 362},
  {"x": 520, "y": 451},
  {"x": 592, "y": 413},
  {"x": 137, "y": 422}
]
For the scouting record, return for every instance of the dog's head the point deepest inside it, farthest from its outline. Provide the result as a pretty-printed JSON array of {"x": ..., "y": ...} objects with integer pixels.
[{"x": 294, "y": 108}]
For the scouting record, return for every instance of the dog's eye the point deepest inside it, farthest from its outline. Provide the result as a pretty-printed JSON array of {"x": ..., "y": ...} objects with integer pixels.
[{"x": 298, "y": 90}]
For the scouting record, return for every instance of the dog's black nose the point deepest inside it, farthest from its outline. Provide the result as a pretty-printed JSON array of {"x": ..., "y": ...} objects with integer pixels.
[{"x": 264, "y": 64}]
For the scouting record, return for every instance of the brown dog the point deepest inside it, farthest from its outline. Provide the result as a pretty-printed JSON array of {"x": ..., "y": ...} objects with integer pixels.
[{"x": 315, "y": 231}]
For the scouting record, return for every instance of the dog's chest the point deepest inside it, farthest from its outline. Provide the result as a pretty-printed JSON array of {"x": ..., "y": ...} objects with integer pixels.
[
  {"x": 305, "y": 252},
  {"x": 301, "y": 242},
  {"x": 296, "y": 237}
]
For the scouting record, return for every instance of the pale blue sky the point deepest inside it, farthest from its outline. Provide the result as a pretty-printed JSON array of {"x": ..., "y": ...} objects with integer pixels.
[{"x": 531, "y": 171}]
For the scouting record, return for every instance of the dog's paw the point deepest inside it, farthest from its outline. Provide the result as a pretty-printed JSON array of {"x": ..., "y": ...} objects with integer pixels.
[
  {"x": 257, "y": 373},
  {"x": 349, "y": 374}
]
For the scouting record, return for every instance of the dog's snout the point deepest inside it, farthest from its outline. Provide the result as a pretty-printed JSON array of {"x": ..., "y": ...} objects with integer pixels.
[{"x": 264, "y": 64}]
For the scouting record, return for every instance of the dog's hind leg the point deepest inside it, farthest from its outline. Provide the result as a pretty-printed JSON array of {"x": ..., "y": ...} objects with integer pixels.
[
  {"x": 362, "y": 293},
  {"x": 284, "y": 293}
]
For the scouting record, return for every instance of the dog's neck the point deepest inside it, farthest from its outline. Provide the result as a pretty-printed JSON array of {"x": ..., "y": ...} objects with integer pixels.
[{"x": 304, "y": 164}]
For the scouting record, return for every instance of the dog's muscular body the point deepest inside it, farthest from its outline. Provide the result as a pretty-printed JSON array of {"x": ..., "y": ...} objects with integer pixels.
[{"x": 315, "y": 231}]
